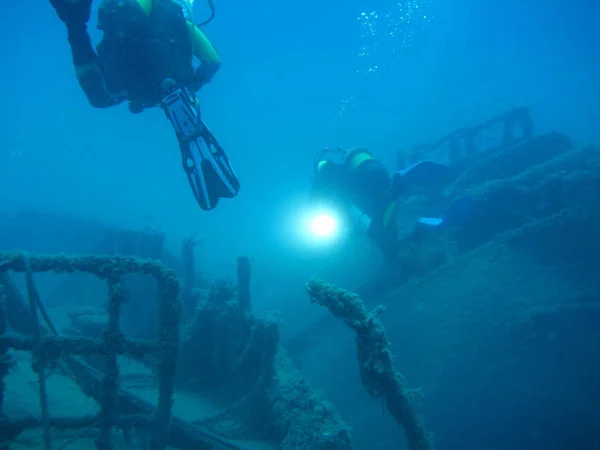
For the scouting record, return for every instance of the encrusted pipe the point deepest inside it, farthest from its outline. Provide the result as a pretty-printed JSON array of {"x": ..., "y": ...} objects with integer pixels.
[
  {"x": 375, "y": 359},
  {"x": 39, "y": 358}
]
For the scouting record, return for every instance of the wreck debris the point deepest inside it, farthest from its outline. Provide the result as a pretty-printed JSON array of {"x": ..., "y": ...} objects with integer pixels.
[
  {"x": 540, "y": 192},
  {"x": 48, "y": 348},
  {"x": 268, "y": 400},
  {"x": 234, "y": 355},
  {"x": 137, "y": 412},
  {"x": 516, "y": 126},
  {"x": 506, "y": 162},
  {"x": 375, "y": 359},
  {"x": 302, "y": 419},
  {"x": 226, "y": 350}
]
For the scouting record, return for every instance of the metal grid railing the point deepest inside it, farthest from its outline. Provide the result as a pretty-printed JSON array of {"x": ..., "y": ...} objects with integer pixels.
[
  {"x": 47, "y": 349},
  {"x": 514, "y": 126}
]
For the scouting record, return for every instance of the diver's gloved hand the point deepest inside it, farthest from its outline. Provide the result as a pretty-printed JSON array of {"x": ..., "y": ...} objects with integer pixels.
[
  {"x": 203, "y": 75},
  {"x": 73, "y": 13}
]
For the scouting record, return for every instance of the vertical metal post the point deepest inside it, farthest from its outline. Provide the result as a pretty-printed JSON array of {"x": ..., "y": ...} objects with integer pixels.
[
  {"x": 170, "y": 313},
  {"x": 110, "y": 382},
  {"x": 39, "y": 358}
]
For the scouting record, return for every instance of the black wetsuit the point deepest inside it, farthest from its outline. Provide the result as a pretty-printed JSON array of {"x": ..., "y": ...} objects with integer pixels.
[{"x": 136, "y": 54}]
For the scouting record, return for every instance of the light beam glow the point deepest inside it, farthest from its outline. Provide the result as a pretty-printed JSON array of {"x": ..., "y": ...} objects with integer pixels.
[
  {"x": 319, "y": 227},
  {"x": 324, "y": 225}
]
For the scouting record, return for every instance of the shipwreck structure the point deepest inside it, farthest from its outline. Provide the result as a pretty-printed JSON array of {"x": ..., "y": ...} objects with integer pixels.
[
  {"x": 224, "y": 355},
  {"x": 494, "y": 317},
  {"x": 49, "y": 349}
]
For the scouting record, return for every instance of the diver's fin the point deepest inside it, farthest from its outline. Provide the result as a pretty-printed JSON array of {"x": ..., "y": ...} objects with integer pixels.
[
  {"x": 209, "y": 171},
  {"x": 432, "y": 222},
  {"x": 206, "y": 165}
]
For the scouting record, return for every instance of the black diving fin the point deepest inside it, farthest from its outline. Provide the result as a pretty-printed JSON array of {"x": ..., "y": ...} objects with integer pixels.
[{"x": 206, "y": 165}]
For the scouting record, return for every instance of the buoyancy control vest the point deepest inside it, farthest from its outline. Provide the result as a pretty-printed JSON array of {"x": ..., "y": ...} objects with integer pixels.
[{"x": 139, "y": 51}]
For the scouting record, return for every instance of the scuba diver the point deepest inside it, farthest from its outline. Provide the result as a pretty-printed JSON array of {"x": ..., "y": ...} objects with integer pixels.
[
  {"x": 362, "y": 187},
  {"x": 146, "y": 57}
]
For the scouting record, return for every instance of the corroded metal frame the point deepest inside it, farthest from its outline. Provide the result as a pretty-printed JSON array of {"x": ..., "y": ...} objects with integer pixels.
[
  {"x": 517, "y": 126},
  {"x": 47, "y": 348}
]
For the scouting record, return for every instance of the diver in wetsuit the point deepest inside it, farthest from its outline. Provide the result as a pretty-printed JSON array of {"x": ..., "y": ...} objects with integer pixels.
[
  {"x": 145, "y": 57},
  {"x": 361, "y": 186}
]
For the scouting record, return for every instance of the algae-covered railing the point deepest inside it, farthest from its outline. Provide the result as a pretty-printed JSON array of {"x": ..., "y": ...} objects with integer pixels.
[
  {"x": 516, "y": 125},
  {"x": 374, "y": 358},
  {"x": 47, "y": 348}
]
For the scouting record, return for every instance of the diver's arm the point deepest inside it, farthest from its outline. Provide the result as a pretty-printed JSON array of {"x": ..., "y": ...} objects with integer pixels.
[
  {"x": 88, "y": 70},
  {"x": 75, "y": 15},
  {"x": 206, "y": 53},
  {"x": 328, "y": 184}
]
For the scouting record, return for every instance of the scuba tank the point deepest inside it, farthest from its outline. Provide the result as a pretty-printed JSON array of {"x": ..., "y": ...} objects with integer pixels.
[{"x": 321, "y": 156}]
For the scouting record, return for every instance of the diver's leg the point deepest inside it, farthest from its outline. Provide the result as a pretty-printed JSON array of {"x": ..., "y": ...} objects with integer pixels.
[
  {"x": 372, "y": 183},
  {"x": 426, "y": 174}
]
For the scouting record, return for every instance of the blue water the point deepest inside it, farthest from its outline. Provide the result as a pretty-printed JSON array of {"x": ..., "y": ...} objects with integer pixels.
[{"x": 296, "y": 77}]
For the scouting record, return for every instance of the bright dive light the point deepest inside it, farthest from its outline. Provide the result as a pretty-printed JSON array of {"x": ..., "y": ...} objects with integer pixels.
[
  {"x": 319, "y": 227},
  {"x": 323, "y": 225}
]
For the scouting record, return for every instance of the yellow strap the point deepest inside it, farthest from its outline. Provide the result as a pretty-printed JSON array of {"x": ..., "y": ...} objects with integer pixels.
[
  {"x": 357, "y": 156},
  {"x": 81, "y": 71},
  {"x": 358, "y": 159},
  {"x": 203, "y": 49},
  {"x": 147, "y": 5},
  {"x": 389, "y": 212}
]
